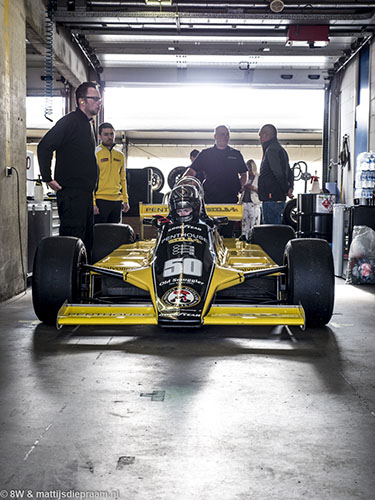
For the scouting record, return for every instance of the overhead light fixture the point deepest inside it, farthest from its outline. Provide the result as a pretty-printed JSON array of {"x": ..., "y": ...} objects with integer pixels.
[
  {"x": 277, "y": 6},
  {"x": 244, "y": 66},
  {"x": 158, "y": 2}
]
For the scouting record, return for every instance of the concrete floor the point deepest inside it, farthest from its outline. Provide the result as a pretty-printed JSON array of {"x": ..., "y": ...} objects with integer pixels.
[{"x": 220, "y": 413}]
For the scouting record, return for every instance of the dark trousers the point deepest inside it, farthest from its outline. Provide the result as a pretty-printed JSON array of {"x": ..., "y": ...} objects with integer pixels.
[
  {"x": 109, "y": 211},
  {"x": 75, "y": 208}
]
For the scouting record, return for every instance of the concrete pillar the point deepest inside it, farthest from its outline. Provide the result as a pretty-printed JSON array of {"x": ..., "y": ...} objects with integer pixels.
[{"x": 12, "y": 148}]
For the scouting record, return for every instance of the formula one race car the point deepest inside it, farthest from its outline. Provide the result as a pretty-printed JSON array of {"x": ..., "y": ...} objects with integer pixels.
[{"x": 188, "y": 276}]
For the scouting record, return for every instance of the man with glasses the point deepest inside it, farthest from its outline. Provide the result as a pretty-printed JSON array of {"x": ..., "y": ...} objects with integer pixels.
[{"x": 76, "y": 170}]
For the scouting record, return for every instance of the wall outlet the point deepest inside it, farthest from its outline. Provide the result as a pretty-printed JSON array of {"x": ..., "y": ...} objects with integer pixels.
[{"x": 8, "y": 171}]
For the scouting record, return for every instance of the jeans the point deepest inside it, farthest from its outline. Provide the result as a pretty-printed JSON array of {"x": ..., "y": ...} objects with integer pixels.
[{"x": 272, "y": 212}]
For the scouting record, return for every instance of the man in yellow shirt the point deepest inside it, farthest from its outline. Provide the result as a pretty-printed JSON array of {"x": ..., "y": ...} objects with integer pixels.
[{"x": 111, "y": 195}]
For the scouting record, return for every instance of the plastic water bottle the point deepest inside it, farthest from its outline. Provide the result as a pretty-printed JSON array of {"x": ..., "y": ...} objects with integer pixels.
[
  {"x": 38, "y": 191},
  {"x": 371, "y": 165}
]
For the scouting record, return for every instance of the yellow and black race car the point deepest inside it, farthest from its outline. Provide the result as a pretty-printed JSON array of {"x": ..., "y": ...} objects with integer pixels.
[{"x": 188, "y": 276}]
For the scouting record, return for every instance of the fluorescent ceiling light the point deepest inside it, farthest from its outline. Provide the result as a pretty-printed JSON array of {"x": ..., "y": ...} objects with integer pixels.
[
  {"x": 150, "y": 60},
  {"x": 158, "y": 2}
]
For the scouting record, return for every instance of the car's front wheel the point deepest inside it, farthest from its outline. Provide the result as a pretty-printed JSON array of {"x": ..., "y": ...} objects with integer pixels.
[
  {"x": 57, "y": 275},
  {"x": 310, "y": 278},
  {"x": 272, "y": 238},
  {"x": 108, "y": 237}
]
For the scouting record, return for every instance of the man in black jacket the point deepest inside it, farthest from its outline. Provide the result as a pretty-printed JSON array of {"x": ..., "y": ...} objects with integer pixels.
[
  {"x": 275, "y": 178},
  {"x": 76, "y": 169},
  {"x": 224, "y": 172}
]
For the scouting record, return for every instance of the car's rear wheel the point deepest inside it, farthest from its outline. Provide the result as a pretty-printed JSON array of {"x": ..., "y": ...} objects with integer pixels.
[
  {"x": 108, "y": 237},
  {"x": 310, "y": 278},
  {"x": 272, "y": 238},
  {"x": 57, "y": 275}
]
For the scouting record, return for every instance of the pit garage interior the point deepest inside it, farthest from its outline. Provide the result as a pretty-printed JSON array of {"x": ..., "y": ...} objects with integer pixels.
[{"x": 219, "y": 412}]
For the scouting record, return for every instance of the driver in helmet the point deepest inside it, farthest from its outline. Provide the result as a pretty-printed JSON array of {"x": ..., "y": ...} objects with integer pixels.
[{"x": 185, "y": 204}]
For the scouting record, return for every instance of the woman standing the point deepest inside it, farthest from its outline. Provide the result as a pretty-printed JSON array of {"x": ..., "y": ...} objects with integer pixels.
[{"x": 250, "y": 200}]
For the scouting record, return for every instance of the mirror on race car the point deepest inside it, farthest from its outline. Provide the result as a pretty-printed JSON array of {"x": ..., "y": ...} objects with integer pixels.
[{"x": 220, "y": 221}]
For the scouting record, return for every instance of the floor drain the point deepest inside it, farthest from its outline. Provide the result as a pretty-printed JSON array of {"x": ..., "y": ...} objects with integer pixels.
[
  {"x": 123, "y": 461},
  {"x": 155, "y": 395}
]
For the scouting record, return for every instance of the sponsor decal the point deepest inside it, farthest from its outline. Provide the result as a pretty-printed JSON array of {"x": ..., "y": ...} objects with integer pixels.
[
  {"x": 186, "y": 226},
  {"x": 155, "y": 208},
  {"x": 225, "y": 209},
  {"x": 185, "y": 237},
  {"x": 189, "y": 281},
  {"x": 181, "y": 297},
  {"x": 104, "y": 159},
  {"x": 111, "y": 315},
  {"x": 189, "y": 315},
  {"x": 183, "y": 249}
]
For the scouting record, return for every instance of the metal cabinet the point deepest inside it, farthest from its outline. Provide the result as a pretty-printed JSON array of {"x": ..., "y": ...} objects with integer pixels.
[{"x": 42, "y": 221}]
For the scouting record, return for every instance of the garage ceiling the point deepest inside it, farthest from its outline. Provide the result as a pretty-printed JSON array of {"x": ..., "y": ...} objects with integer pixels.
[{"x": 263, "y": 42}]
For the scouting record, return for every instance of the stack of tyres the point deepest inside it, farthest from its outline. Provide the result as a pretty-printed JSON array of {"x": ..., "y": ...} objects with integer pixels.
[{"x": 314, "y": 215}]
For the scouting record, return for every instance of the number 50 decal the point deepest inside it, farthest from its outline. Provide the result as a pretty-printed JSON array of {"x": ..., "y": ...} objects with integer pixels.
[{"x": 189, "y": 266}]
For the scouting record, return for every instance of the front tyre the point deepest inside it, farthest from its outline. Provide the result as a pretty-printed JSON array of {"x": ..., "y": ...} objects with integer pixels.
[
  {"x": 57, "y": 275},
  {"x": 272, "y": 238},
  {"x": 108, "y": 237},
  {"x": 310, "y": 278}
]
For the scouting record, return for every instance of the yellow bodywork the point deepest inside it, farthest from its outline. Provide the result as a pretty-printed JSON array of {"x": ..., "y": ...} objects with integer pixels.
[
  {"x": 233, "y": 212},
  {"x": 234, "y": 258}
]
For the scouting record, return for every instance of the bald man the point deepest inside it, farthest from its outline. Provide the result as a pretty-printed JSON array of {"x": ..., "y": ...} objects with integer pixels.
[{"x": 224, "y": 172}]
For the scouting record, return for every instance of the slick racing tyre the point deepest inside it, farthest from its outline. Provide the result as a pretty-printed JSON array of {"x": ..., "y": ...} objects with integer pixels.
[
  {"x": 272, "y": 238},
  {"x": 57, "y": 275},
  {"x": 175, "y": 175},
  {"x": 108, "y": 237},
  {"x": 157, "y": 179},
  {"x": 310, "y": 278},
  {"x": 290, "y": 214}
]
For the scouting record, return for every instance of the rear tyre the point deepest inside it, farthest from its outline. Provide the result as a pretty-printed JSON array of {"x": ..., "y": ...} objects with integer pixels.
[
  {"x": 310, "y": 278},
  {"x": 272, "y": 238},
  {"x": 157, "y": 179},
  {"x": 290, "y": 214},
  {"x": 175, "y": 175},
  {"x": 57, "y": 275},
  {"x": 108, "y": 237}
]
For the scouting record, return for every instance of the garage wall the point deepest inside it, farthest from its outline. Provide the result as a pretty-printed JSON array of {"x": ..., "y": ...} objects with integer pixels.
[
  {"x": 347, "y": 83},
  {"x": 372, "y": 98},
  {"x": 166, "y": 158},
  {"x": 348, "y": 97},
  {"x": 12, "y": 148}
]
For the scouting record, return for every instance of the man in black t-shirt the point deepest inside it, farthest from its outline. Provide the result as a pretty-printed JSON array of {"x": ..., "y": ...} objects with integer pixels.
[{"x": 224, "y": 171}]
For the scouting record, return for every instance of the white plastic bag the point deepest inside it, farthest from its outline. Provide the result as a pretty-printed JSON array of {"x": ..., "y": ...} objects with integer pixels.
[{"x": 361, "y": 265}]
